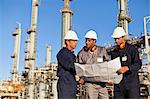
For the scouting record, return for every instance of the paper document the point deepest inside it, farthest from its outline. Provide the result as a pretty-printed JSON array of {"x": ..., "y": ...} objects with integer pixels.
[{"x": 100, "y": 72}]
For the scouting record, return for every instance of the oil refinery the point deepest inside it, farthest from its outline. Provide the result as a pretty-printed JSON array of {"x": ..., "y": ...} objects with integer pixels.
[{"x": 41, "y": 82}]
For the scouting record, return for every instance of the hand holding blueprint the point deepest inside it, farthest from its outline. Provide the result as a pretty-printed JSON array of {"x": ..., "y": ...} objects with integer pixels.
[{"x": 100, "y": 72}]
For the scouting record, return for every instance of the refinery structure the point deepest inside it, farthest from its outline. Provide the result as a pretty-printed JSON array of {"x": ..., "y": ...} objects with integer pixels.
[{"x": 40, "y": 83}]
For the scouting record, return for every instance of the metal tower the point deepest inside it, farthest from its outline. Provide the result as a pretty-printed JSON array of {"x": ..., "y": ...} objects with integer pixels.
[
  {"x": 123, "y": 17},
  {"x": 48, "y": 55},
  {"x": 27, "y": 54},
  {"x": 66, "y": 19},
  {"x": 16, "y": 54},
  {"x": 32, "y": 48},
  {"x": 147, "y": 38}
]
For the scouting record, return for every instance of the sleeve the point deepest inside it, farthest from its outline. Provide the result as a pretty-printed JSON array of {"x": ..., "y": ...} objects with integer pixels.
[
  {"x": 136, "y": 62},
  {"x": 66, "y": 62},
  {"x": 106, "y": 56},
  {"x": 79, "y": 58}
]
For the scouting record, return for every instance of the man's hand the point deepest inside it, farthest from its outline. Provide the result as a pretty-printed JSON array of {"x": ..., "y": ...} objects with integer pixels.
[
  {"x": 122, "y": 70},
  {"x": 81, "y": 81}
]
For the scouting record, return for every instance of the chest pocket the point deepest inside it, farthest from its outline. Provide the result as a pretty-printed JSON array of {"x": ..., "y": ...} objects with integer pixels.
[
  {"x": 100, "y": 57},
  {"x": 126, "y": 57}
]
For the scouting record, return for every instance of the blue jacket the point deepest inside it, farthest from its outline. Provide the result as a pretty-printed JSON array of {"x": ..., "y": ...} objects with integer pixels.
[
  {"x": 129, "y": 87},
  {"x": 129, "y": 56},
  {"x": 67, "y": 85}
]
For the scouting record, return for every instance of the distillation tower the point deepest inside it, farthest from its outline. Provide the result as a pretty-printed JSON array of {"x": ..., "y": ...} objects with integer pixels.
[
  {"x": 27, "y": 54},
  {"x": 66, "y": 19},
  {"x": 123, "y": 17},
  {"x": 38, "y": 82},
  {"x": 48, "y": 55},
  {"x": 16, "y": 54},
  {"x": 31, "y": 45},
  {"x": 10, "y": 89}
]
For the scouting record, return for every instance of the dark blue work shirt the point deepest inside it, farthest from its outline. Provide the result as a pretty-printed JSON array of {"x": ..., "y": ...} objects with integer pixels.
[
  {"x": 129, "y": 56},
  {"x": 129, "y": 85},
  {"x": 66, "y": 72},
  {"x": 66, "y": 61}
]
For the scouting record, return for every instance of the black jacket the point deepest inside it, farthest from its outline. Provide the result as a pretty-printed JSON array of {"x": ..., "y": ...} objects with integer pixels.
[{"x": 129, "y": 56}]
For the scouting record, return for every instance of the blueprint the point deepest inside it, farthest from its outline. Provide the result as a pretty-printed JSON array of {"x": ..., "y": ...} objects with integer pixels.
[{"x": 100, "y": 72}]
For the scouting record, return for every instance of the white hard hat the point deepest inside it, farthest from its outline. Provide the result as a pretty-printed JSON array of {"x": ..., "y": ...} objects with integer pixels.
[
  {"x": 71, "y": 35},
  {"x": 118, "y": 32},
  {"x": 91, "y": 34}
]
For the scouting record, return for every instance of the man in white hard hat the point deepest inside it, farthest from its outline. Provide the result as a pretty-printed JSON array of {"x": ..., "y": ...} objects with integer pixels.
[
  {"x": 90, "y": 54},
  {"x": 129, "y": 87},
  {"x": 67, "y": 85}
]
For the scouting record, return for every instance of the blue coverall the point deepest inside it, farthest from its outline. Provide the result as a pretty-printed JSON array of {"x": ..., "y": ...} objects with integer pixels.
[
  {"x": 129, "y": 87},
  {"x": 67, "y": 85}
]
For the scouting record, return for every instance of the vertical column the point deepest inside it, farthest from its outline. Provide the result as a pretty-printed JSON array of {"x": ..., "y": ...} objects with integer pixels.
[
  {"x": 16, "y": 54},
  {"x": 123, "y": 17},
  {"x": 27, "y": 54},
  {"x": 42, "y": 86},
  {"x": 147, "y": 45},
  {"x": 66, "y": 19},
  {"x": 32, "y": 49},
  {"x": 48, "y": 55}
]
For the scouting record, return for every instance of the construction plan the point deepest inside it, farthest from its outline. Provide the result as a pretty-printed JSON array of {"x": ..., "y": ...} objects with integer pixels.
[{"x": 100, "y": 72}]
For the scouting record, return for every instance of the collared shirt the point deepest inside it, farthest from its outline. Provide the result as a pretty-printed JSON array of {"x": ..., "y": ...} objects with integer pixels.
[
  {"x": 66, "y": 85},
  {"x": 66, "y": 60},
  {"x": 86, "y": 57},
  {"x": 129, "y": 56}
]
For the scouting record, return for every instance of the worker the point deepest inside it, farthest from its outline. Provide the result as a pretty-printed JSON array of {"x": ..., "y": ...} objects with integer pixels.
[
  {"x": 67, "y": 85},
  {"x": 129, "y": 87},
  {"x": 90, "y": 54}
]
